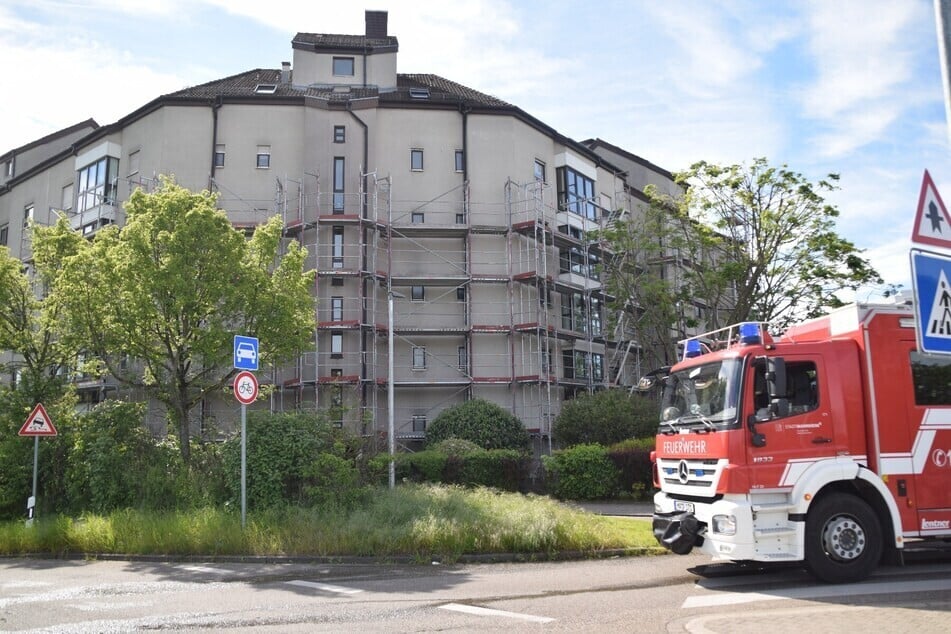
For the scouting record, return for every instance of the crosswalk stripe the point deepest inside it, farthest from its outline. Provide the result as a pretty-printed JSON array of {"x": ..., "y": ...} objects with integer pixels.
[
  {"x": 325, "y": 587},
  {"x": 472, "y": 609}
]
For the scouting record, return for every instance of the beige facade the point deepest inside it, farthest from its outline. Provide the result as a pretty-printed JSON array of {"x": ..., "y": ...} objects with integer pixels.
[{"x": 471, "y": 212}]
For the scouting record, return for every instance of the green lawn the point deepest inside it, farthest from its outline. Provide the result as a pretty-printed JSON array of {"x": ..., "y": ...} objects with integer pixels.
[{"x": 417, "y": 521}]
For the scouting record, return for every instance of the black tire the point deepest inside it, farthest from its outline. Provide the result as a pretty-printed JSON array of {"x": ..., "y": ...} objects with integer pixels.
[{"x": 843, "y": 539}]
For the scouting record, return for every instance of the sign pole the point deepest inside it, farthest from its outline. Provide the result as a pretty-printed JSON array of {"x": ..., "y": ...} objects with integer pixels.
[
  {"x": 31, "y": 505},
  {"x": 244, "y": 464}
]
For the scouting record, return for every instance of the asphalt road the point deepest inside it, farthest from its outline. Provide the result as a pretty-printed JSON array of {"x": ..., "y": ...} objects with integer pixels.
[{"x": 643, "y": 594}]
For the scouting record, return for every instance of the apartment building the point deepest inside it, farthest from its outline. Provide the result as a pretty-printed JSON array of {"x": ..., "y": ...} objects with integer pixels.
[{"x": 465, "y": 215}]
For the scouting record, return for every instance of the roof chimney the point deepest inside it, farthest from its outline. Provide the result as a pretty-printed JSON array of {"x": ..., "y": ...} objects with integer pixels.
[
  {"x": 376, "y": 24},
  {"x": 285, "y": 72}
]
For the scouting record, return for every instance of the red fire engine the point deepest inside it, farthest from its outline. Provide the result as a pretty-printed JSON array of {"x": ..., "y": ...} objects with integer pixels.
[{"x": 830, "y": 445}]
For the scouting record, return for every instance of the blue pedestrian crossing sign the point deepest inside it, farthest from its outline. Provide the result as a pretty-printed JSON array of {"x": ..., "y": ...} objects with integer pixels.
[
  {"x": 931, "y": 275},
  {"x": 245, "y": 353}
]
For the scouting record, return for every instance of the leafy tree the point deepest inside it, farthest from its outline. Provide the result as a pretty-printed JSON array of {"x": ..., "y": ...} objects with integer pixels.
[
  {"x": 170, "y": 289},
  {"x": 27, "y": 330},
  {"x": 481, "y": 422},
  {"x": 605, "y": 417},
  {"x": 749, "y": 242}
]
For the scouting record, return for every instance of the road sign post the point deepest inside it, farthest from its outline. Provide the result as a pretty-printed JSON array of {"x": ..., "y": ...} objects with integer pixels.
[
  {"x": 246, "y": 391},
  {"x": 37, "y": 424}
]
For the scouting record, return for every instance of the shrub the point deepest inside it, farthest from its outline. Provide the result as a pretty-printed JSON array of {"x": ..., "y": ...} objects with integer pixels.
[
  {"x": 605, "y": 417},
  {"x": 582, "y": 472},
  {"x": 632, "y": 459},
  {"x": 331, "y": 481},
  {"x": 280, "y": 450},
  {"x": 456, "y": 447},
  {"x": 498, "y": 468},
  {"x": 479, "y": 421},
  {"x": 113, "y": 460}
]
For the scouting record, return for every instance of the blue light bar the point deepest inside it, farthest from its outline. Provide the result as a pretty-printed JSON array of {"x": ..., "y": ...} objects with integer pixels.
[
  {"x": 750, "y": 333},
  {"x": 692, "y": 349}
]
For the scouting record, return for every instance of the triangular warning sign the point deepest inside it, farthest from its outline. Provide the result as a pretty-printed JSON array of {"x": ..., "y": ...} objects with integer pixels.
[
  {"x": 932, "y": 222},
  {"x": 939, "y": 321},
  {"x": 38, "y": 423}
]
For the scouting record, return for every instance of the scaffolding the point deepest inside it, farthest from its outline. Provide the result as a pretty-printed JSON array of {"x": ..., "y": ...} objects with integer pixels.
[{"x": 474, "y": 293}]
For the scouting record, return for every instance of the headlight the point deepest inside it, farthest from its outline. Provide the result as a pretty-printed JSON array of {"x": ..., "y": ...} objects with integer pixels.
[{"x": 724, "y": 524}]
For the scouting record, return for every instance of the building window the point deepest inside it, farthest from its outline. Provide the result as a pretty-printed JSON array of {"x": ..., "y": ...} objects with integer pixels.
[
  {"x": 220, "y": 155},
  {"x": 4, "y": 234},
  {"x": 597, "y": 367},
  {"x": 133, "y": 163},
  {"x": 264, "y": 157},
  {"x": 419, "y": 423},
  {"x": 336, "y": 345},
  {"x": 575, "y": 260},
  {"x": 28, "y": 213},
  {"x": 418, "y": 218},
  {"x": 568, "y": 361},
  {"x": 463, "y": 358},
  {"x": 460, "y": 219},
  {"x": 338, "y": 184},
  {"x": 340, "y": 134},
  {"x": 419, "y": 358},
  {"x": 539, "y": 171},
  {"x": 336, "y": 309},
  {"x": 67, "y": 200},
  {"x": 461, "y": 293},
  {"x": 418, "y": 293},
  {"x": 337, "y": 248},
  {"x": 97, "y": 183},
  {"x": 343, "y": 66},
  {"x": 576, "y": 193},
  {"x": 416, "y": 160},
  {"x": 574, "y": 312},
  {"x": 336, "y": 281},
  {"x": 8, "y": 168},
  {"x": 460, "y": 161}
]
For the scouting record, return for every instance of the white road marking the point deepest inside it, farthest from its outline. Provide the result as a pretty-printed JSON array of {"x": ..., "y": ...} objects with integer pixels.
[
  {"x": 326, "y": 587},
  {"x": 216, "y": 571},
  {"x": 471, "y": 609},
  {"x": 816, "y": 592}
]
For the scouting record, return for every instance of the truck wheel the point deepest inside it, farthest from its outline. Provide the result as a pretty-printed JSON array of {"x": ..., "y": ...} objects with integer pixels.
[{"x": 843, "y": 539}]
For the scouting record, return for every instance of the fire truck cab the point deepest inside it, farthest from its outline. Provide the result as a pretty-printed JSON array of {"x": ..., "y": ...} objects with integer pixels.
[{"x": 829, "y": 445}]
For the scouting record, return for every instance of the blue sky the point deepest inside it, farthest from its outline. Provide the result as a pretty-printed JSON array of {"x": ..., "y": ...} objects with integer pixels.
[{"x": 846, "y": 86}]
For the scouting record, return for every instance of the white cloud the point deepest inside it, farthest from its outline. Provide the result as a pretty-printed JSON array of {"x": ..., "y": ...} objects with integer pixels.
[{"x": 864, "y": 53}]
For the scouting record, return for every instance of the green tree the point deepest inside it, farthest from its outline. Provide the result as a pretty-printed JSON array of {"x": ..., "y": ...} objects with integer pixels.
[
  {"x": 170, "y": 289},
  {"x": 747, "y": 242},
  {"x": 479, "y": 421},
  {"x": 27, "y": 324},
  {"x": 605, "y": 417}
]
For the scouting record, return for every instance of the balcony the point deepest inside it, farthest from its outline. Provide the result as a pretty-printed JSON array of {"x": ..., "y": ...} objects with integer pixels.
[{"x": 93, "y": 219}]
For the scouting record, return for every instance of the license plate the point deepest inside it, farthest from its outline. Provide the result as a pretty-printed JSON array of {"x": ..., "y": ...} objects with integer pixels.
[{"x": 683, "y": 506}]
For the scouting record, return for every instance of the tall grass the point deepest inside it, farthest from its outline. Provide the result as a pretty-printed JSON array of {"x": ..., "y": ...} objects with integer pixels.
[{"x": 418, "y": 521}]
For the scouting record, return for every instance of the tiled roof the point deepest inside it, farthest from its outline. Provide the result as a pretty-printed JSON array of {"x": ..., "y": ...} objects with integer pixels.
[
  {"x": 329, "y": 41},
  {"x": 440, "y": 90}
]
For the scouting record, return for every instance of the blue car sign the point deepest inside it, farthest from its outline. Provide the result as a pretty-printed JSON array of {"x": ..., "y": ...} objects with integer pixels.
[{"x": 245, "y": 353}]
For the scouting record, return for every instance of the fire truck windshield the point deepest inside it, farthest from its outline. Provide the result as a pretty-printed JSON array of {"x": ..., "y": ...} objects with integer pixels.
[{"x": 705, "y": 396}]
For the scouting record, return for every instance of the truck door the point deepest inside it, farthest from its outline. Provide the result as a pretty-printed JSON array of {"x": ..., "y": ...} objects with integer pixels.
[
  {"x": 795, "y": 441},
  {"x": 930, "y": 453}
]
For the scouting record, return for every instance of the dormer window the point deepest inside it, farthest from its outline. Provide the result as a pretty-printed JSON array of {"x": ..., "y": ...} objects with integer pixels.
[
  {"x": 343, "y": 66},
  {"x": 419, "y": 93},
  {"x": 265, "y": 89}
]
